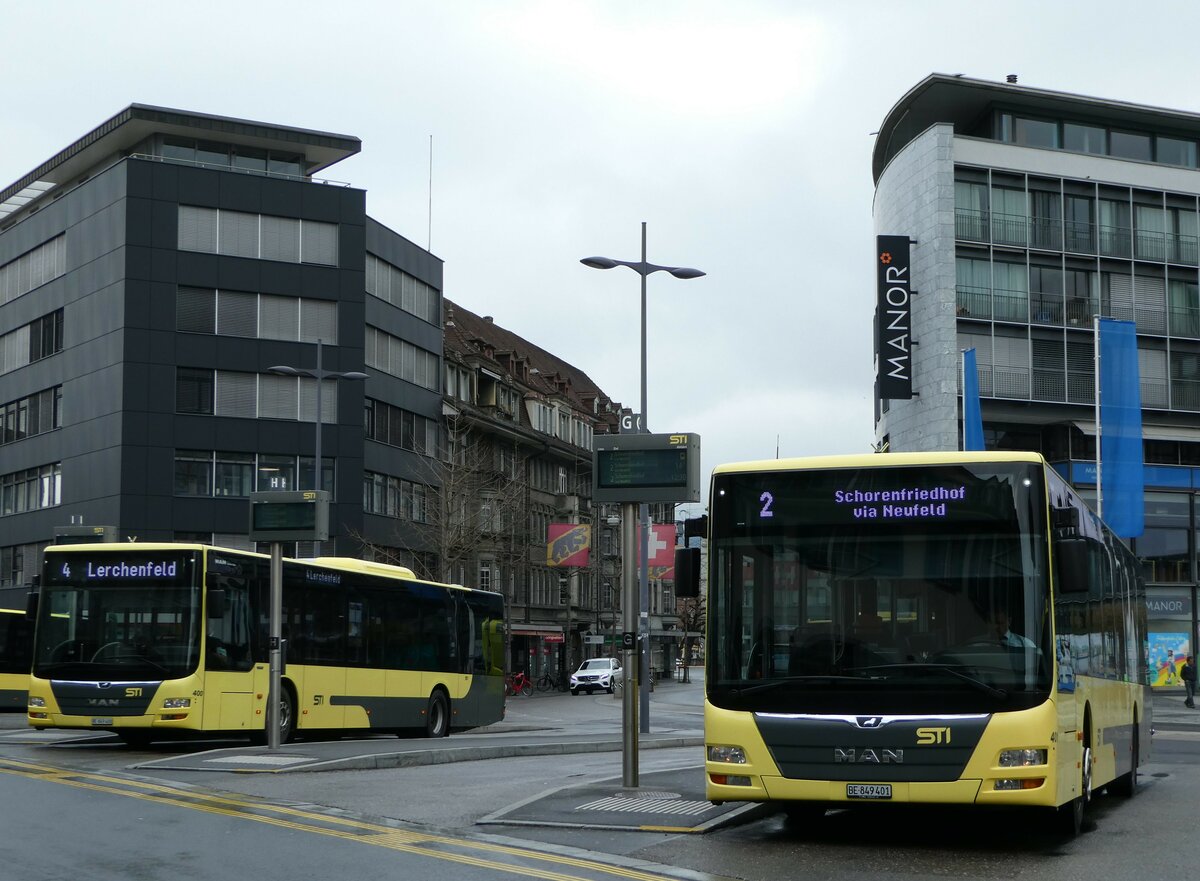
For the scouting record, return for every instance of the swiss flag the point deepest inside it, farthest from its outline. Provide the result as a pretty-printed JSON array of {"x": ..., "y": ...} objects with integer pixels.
[{"x": 661, "y": 549}]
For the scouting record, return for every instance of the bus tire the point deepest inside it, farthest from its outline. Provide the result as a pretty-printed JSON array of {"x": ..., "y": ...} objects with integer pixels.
[
  {"x": 437, "y": 715},
  {"x": 1074, "y": 810},
  {"x": 1126, "y": 785},
  {"x": 287, "y": 713}
]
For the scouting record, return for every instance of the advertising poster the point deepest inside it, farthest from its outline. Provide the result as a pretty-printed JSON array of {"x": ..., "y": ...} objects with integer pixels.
[{"x": 1167, "y": 652}]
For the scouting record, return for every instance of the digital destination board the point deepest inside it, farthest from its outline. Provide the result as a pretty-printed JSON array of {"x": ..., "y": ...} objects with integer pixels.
[{"x": 646, "y": 468}]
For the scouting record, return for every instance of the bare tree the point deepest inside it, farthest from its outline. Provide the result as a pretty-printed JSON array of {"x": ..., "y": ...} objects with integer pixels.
[
  {"x": 692, "y": 618},
  {"x": 476, "y": 507}
]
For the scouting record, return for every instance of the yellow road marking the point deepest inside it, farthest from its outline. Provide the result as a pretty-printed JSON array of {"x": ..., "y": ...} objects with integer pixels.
[{"x": 352, "y": 830}]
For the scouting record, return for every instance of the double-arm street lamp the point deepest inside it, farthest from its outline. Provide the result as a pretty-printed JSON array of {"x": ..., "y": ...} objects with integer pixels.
[
  {"x": 319, "y": 375},
  {"x": 644, "y": 269}
]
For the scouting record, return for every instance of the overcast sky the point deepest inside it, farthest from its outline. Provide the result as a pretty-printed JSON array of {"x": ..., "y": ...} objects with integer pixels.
[{"x": 740, "y": 132}]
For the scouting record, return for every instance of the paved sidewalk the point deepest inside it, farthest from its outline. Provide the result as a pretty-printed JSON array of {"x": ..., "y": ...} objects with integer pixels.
[{"x": 1169, "y": 711}]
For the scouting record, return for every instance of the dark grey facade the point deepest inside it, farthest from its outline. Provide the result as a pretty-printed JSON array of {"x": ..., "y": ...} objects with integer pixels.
[{"x": 150, "y": 274}]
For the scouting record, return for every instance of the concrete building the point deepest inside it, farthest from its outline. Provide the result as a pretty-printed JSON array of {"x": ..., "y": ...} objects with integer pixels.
[
  {"x": 1030, "y": 211},
  {"x": 150, "y": 274}
]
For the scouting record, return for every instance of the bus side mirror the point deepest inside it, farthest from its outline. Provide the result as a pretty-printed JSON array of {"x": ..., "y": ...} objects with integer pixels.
[
  {"x": 216, "y": 603},
  {"x": 687, "y": 572},
  {"x": 31, "y": 606},
  {"x": 1073, "y": 564}
]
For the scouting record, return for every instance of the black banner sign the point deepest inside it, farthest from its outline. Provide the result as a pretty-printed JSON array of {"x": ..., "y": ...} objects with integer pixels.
[{"x": 893, "y": 317}]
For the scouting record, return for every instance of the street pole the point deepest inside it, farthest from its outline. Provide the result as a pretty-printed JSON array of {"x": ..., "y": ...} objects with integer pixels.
[
  {"x": 629, "y": 654},
  {"x": 276, "y": 646},
  {"x": 644, "y": 519}
]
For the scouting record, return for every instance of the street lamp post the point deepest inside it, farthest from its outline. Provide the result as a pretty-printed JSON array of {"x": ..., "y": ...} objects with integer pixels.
[
  {"x": 644, "y": 269},
  {"x": 319, "y": 375}
]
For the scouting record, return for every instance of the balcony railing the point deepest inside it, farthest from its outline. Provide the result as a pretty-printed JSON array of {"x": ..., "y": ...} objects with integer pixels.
[
  {"x": 1010, "y": 229},
  {"x": 1185, "y": 394},
  {"x": 1079, "y": 237},
  {"x": 1183, "y": 249},
  {"x": 974, "y": 302},
  {"x": 1046, "y": 234},
  {"x": 971, "y": 225},
  {"x": 1046, "y": 308},
  {"x": 1150, "y": 245},
  {"x": 1115, "y": 241},
  {"x": 1185, "y": 321},
  {"x": 1080, "y": 311},
  {"x": 1010, "y": 306}
]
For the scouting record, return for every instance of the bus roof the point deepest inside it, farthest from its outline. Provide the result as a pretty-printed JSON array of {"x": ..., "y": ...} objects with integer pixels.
[
  {"x": 878, "y": 460},
  {"x": 346, "y": 564}
]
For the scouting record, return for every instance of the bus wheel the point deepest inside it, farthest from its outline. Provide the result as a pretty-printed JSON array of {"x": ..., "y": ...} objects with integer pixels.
[
  {"x": 1075, "y": 809},
  {"x": 437, "y": 716},
  {"x": 287, "y": 715}
]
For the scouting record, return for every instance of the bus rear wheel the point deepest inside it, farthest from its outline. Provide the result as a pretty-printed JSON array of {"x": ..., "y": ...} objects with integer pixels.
[
  {"x": 437, "y": 716},
  {"x": 1074, "y": 810}
]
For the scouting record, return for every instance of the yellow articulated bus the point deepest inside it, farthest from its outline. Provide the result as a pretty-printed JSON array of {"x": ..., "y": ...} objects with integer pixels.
[
  {"x": 152, "y": 641},
  {"x": 941, "y": 628},
  {"x": 15, "y": 648}
]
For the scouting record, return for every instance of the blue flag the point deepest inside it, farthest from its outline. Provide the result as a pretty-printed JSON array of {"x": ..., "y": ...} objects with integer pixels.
[
  {"x": 972, "y": 417},
  {"x": 1120, "y": 403}
]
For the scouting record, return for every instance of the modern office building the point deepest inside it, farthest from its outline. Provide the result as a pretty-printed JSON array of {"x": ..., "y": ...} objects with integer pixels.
[
  {"x": 150, "y": 275},
  {"x": 1030, "y": 211}
]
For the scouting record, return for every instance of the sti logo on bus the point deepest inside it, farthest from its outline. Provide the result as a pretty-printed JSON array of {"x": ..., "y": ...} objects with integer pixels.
[{"x": 932, "y": 736}]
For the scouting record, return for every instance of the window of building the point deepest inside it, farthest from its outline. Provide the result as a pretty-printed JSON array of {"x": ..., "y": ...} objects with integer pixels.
[
  {"x": 193, "y": 390},
  {"x": 1008, "y": 216},
  {"x": 1152, "y": 377},
  {"x": 1130, "y": 145},
  {"x": 31, "y": 489},
  {"x": 395, "y": 286},
  {"x": 30, "y": 416},
  {"x": 1115, "y": 228},
  {"x": 400, "y": 358},
  {"x": 276, "y": 473},
  {"x": 1183, "y": 305},
  {"x": 1175, "y": 151},
  {"x": 242, "y": 234},
  {"x": 33, "y": 269},
  {"x": 193, "y": 473},
  {"x": 1081, "y": 138},
  {"x": 1010, "y": 292},
  {"x": 234, "y": 474}
]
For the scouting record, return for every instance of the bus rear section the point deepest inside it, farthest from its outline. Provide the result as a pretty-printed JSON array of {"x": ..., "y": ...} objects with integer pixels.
[
  {"x": 16, "y": 648},
  {"x": 884, "y": 629}
]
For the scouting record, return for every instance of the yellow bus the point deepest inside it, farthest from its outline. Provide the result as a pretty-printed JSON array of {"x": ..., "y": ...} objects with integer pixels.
[
  {"x": 946, "y": 628},
  {"x": 15, "y": 648},
  {"x": 152, "y": 641}
]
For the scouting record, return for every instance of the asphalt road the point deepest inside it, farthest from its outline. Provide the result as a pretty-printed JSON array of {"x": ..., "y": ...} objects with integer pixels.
[{"x": 1149, "y": 835}]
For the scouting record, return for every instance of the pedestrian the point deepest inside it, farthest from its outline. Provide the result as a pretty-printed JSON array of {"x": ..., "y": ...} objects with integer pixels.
[{"x": 1188, "y": 675}]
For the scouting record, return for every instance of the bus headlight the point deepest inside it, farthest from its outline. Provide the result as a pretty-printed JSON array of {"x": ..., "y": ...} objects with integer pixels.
[
  {"x": 37, "y": 701},
  {"x": 177, "y": 703},
  {"x": 731, "y": 755},
  {"x": 1020, "y": 758}
]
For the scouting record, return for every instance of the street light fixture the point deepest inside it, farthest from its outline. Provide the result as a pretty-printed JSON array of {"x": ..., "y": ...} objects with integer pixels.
[
  {"x": 319, "y": 375},
  {"x": 644, "y": 269}
]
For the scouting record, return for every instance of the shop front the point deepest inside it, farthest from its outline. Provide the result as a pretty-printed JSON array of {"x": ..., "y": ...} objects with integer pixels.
[{"x": 1170, "y": 630}]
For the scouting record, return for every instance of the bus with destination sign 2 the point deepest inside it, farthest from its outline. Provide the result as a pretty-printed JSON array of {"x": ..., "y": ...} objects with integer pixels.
[
  {"x": 153, "y": 641},
  {"x": 953, "y": 628}
]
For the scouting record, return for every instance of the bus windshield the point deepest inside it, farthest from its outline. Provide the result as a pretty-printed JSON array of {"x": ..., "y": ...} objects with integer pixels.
[
  {"x": 901, "y": 589},
  {"x": 119, "y": 616}
]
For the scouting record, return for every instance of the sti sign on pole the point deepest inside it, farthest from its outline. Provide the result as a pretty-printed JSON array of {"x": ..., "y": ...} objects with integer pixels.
[
  {"x": 893, "y": 317},
  {"x": 637, "y": 468}
]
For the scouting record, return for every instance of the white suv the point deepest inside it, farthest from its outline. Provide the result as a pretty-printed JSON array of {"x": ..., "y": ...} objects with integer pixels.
[{"x": 597, "y": 673}]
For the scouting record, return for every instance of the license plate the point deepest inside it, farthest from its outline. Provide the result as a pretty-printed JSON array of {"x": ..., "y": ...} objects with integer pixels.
[
  {"x": 868, "y": 790},
  {"x": 102, "y": 722}
]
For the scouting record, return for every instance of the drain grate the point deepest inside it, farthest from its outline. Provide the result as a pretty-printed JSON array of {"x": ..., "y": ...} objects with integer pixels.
[{"x": 673, "y": 803}]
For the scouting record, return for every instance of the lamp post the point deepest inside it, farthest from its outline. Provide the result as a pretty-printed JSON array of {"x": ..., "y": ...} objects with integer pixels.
[
  {"x": 644, "y": 269},
  {"x": 319, "y": 375}
]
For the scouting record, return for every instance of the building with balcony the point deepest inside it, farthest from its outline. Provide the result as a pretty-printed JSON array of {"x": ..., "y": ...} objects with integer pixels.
[
  {"x": 1031, "y": 212},
  {"x": 150, "y": 274}
]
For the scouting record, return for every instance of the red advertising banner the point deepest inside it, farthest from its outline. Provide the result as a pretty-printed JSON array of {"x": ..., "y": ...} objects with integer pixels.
[{"x": 568, "y": 544}]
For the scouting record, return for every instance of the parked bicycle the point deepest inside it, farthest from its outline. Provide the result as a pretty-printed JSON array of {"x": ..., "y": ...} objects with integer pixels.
[
  {"x": 547, "y": 682},
  {"x": 518, "y": 683}
]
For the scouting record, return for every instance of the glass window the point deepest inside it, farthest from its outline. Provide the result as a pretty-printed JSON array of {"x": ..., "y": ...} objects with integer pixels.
[
  {"x": 1035, "y": 132},
  {"x": 212, "y": 154},
  {"x": 1083, "y": 138},
  {"x": 235, "y": 474},
  {"x": 179, "y": 148},
  {"x": 1130, "y": 145},
  {"x": 285, "y": 163},
  {"x": 197, "y": 229},
  {"x": 195, "y": 310},
  {"x": 250, "y": 159},
  {"x": 193, "y": 390},
  {"x": 193, "y": 473},
  {"x": 1175, "y": 151},
  {"x": 1164, "y": 554},
  {"x": 276, "y": 473}
]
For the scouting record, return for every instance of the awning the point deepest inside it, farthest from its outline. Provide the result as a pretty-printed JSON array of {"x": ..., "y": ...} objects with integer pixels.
[{"x": 1151, "y": 432}]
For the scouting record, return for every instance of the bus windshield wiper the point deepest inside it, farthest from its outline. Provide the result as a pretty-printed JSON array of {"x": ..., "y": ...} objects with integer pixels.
[
  {"x": 952, "y": 669},
  {"x": 772, "y": 684}
]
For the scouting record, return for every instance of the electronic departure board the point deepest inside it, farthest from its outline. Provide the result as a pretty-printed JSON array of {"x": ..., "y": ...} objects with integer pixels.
[
  {"x": 289, "y": 516},
  {"x": 646, "y": 468}
]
